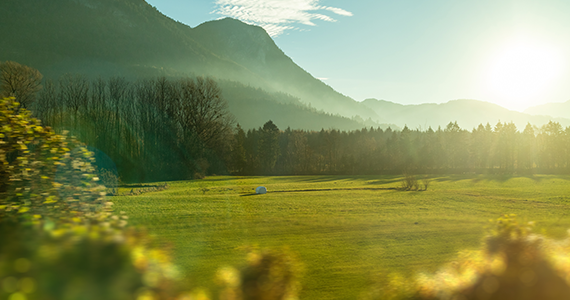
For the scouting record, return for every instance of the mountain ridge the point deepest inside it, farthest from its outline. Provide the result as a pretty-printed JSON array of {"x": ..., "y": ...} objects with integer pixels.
[
  {"x": 468, "y": 113},
  {"x": 554, "y": 109}
]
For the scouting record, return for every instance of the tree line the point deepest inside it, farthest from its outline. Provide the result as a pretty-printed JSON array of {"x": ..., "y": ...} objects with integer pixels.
[
  {"x": 496, "y": 149},
  {"x": 150, "y": 129},
  {"x": 161, "y": 129}
]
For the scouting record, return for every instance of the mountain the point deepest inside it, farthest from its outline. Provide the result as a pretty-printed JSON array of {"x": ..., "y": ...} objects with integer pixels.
[
  {"x": 252, "y": 107},
  {"x": 251, "y": 46},
  {"x": 467, "y": 113},
  {"x": 131, "y": 38},
  {"x": 559, "y": 110}
]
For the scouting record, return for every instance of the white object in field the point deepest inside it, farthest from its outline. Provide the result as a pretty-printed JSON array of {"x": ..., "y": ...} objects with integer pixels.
[{"x": 260, "y": 190}]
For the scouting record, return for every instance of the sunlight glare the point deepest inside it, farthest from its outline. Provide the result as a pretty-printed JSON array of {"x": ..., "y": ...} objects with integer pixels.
[{"x": 524, "y": 70}]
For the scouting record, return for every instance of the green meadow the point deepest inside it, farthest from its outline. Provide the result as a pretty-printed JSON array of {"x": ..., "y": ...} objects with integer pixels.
[{"x": 347, "y": 230}]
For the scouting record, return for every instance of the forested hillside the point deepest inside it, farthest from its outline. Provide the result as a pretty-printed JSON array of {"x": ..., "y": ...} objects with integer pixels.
[{"x": 254, "y": 106}]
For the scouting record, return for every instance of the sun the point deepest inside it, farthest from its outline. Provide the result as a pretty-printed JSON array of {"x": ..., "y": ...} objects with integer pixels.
[{"x": 523, "y": 71}]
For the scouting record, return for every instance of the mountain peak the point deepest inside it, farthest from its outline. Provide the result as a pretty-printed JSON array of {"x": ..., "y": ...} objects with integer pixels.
[{"x": 229, "y": 37}]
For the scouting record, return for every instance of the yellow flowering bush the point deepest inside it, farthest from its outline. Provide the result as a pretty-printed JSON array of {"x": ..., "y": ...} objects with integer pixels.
[
  {"x": 270, "y": 274},
  {"x": 515, "y": 263},
  {"x": 59, "y": 238},
  {"x": 45, "y": 177}
]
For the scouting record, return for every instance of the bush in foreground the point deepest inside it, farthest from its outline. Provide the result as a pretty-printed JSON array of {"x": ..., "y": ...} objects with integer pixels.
[
  {"x": 268, "y": 275},
  {"x": 515, "y": 263},
  {"x": 59, "y": 238}
]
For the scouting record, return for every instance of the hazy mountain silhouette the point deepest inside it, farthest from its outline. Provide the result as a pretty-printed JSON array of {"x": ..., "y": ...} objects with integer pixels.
[
  {"x": 131, "y": 38},
  {"x": 467, "y": 113},
  {"x": 254, "y": 106},
  {"x": 557, "y": 110}
]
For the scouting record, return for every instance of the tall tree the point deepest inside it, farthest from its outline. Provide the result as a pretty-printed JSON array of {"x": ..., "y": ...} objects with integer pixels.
[
  {"x": 238, "y": 151},
  {"x": 268, "y": 146},
  {"x": 204, "y": 112},
  {"x": 527, "y": 148}
]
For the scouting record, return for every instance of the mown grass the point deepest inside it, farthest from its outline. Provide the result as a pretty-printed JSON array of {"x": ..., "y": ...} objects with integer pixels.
[{"x": 346, "y": 229}]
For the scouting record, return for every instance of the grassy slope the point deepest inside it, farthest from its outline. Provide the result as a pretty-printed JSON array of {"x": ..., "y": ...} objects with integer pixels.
[{"x": 345, "y": 235}]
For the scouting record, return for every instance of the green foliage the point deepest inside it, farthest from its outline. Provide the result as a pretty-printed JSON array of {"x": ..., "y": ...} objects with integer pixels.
[
  {"x": 452, "y": 150},
  {"x": 268, "y": 147}
]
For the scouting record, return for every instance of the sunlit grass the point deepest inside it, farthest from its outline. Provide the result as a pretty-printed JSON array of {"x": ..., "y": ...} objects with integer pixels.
[{"x": 346, "y": 229}]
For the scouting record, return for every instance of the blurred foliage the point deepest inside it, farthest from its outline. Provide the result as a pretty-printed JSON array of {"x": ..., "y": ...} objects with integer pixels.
[
  {"x": 515, "y": 263},
  {"x": 82, "y": 263},
  {"x": 268, "y": 275},
  {"x": 46, "y": 178},
  {"x": 58, "y": 236}
]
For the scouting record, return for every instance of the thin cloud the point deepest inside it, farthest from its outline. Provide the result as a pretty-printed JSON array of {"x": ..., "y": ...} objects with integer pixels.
[{"x": 277, "y": 16}]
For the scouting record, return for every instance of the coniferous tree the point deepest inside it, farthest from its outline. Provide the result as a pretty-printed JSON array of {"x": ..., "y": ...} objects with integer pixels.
[{"x": 268, "y": 146}]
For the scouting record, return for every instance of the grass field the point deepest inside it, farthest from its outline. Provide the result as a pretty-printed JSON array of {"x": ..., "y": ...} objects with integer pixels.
[{"x": 345, "y": 229}]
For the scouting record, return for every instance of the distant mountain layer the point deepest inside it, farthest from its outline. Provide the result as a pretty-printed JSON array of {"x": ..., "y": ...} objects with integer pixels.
[
  {"x": 253, "y": 107},
  {"x": 560, "y": 110},
  {"x": 131, "y": 38},
  {"x": 467, "y": 113}
]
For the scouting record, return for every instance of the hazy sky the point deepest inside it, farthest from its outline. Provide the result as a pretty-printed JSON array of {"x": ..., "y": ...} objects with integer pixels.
[{"x": 515, "y": 53}]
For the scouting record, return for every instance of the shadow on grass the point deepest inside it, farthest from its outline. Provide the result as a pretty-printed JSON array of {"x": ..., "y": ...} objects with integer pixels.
[
  {"x": 392, "y": 179},
  {"x": 475, "y": 178},
  {"x": 229, "y": 177},
  {"x": 338, "y": 189},
  {"x": 246, "y": 195},
  {"x": 376, "y": 179},
  {"x": 138, "y": 185},
  {"x": 319, "y": 178},
  {"x": 326, "y": 190}
]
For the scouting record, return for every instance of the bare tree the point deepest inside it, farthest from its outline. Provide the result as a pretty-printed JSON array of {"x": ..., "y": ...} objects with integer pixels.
[
  {"x": 204, "y": 111},
  {"x": 19, "y": 81},
  {"x": 46, "y": 108},
  {"x": 75, "y": 94}
]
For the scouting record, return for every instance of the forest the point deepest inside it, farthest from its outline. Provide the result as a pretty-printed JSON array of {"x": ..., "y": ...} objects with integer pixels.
[
  {"x": 486, "y": 149},
  {"x": 181, "y": 128},
  {"x": 161, "y": 129}
]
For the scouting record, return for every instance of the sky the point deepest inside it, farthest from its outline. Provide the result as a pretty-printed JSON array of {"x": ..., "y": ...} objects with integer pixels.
[{"x": 515, "y": 53}]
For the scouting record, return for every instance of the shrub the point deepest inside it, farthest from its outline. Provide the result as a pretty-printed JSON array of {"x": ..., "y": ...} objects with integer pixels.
[
  {"x": 425, "y": 182},
  {"x": 45, "y": 177},
  {"x": 410, "y": 182},
  {"x": 268, "y": 275},
  {"x": 514, "y": 264},
  {"x": 58, "y": 236},
  {"x": 76, "y": 263}
]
